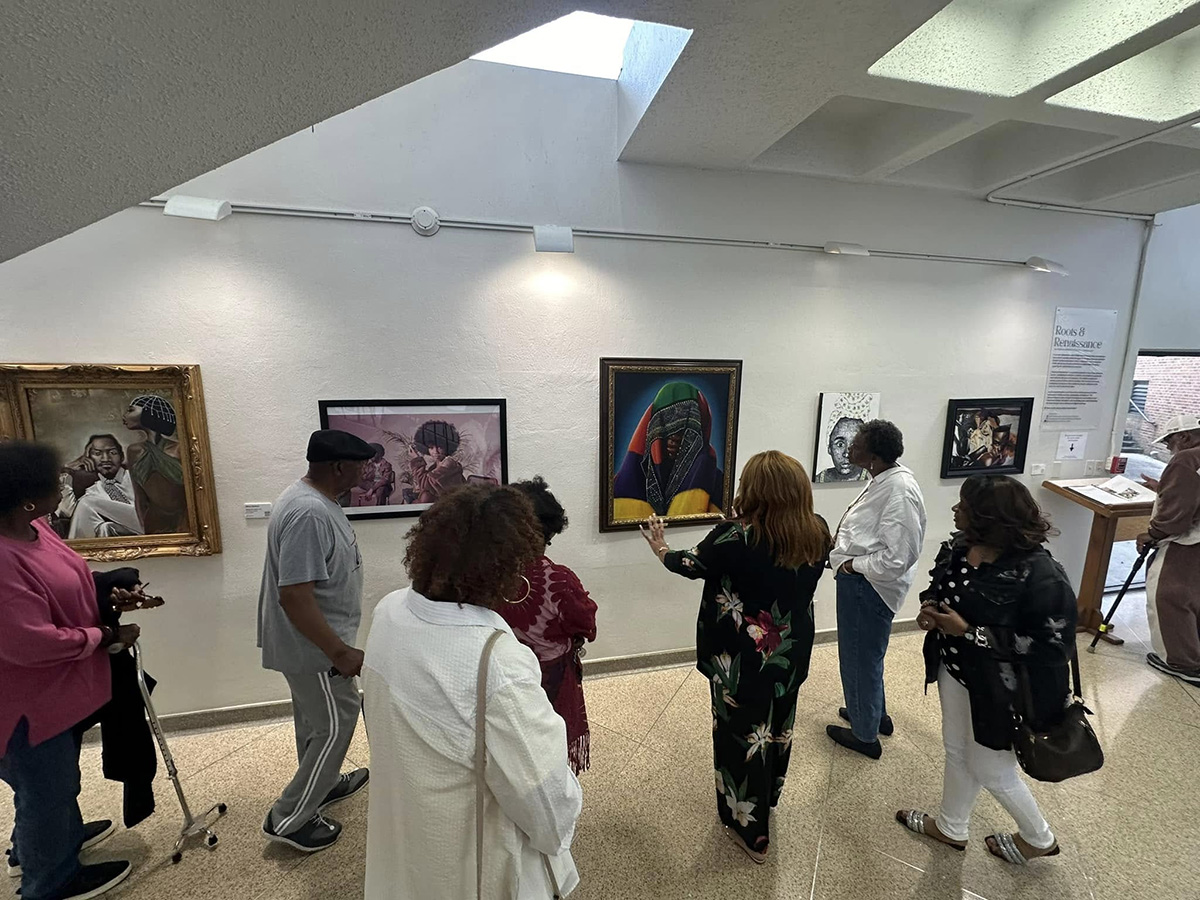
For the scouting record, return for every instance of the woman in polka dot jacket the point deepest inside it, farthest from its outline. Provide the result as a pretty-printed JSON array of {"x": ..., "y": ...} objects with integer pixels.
[{"x": 999, "y": 609}]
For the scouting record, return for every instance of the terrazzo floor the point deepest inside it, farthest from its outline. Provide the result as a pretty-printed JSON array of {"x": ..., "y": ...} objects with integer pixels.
[{"x": 647, "y": 830}]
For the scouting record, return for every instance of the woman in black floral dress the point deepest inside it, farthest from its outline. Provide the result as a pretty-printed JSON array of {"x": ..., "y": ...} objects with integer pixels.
[{"x": 754, "y": 634}]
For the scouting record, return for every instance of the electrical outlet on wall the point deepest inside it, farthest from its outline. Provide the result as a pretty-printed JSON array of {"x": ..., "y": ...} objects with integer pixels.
[
  {"x": 1094, "y": 467},
  {"x": 1037, "y": 469}
]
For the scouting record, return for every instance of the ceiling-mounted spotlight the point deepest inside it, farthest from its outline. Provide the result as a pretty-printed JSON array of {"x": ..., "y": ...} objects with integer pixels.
[
  {"x": 197, "y": 208},
  {"x": 1041, "y": 264},
  {"x": 425, "y": 221},
  {"x": 845, "y": 249},
  {"x": 553, "y": 239}
]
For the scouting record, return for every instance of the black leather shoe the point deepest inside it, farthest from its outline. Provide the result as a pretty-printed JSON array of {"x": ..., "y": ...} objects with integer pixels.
[
  {"x": 846, "y": 738},
  {"x": 92, "y": 881},
  {"x": 886, "y": 727}
]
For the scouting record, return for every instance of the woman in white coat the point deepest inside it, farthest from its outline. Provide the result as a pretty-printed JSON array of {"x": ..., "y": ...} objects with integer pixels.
[{"x": 421, "y": 682}]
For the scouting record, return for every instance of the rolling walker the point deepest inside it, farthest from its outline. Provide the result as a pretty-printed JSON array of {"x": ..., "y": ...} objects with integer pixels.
[{"x": 192, "y": 826}]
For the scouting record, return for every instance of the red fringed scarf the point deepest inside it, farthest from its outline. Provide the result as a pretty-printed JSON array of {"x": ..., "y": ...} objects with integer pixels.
[{"x": 554, "y": 623}]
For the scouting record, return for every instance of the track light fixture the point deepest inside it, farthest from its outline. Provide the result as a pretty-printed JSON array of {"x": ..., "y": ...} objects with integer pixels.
[
  {"x": 1041, "y": 264},
  {"x": 842, "y": 248},
  {"x": 553, "y": 239},
  {"x": 197, "y": 208}
]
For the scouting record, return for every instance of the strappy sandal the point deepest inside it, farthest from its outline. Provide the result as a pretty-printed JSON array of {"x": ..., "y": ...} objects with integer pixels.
[
  {"x": 1004, "y": 846},
  {"x": 914, "y": 821}
]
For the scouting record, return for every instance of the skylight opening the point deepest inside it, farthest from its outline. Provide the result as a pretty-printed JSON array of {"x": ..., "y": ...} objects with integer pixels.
[{"x": 581, "y": 43}]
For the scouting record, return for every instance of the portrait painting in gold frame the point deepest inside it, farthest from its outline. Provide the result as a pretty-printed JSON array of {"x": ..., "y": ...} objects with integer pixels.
[{"x": 136, "y": 477}]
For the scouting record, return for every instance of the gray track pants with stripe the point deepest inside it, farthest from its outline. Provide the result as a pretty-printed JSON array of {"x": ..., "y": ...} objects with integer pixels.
[{"x": 326, "y": 712}]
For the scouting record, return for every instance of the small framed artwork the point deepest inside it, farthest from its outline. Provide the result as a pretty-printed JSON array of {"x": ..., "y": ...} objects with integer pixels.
[
  {"x": 136, "y": 476},
  {"x": 423, "y": 448},
  {"x": 668, "y": 439},
  {"x": 987, "y": 436},
  {"x": 839, "y": 416}
]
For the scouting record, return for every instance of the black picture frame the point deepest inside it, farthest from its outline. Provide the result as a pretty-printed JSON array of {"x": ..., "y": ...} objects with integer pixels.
[
  {"x": 829, "y": 401},
  {"x": 433, "y": 409},
  {"x": 615, "y": 406},
  {"x": 1006, "y": 460}
]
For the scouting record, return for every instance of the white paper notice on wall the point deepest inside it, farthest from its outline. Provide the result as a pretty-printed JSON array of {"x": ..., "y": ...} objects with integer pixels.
[
  {"x": 1080, "y": 351},
  {"x": 1071, "y": 445}
]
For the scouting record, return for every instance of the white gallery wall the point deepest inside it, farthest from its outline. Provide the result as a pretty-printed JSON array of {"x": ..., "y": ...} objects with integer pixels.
[{"x": 283, "y": 312}]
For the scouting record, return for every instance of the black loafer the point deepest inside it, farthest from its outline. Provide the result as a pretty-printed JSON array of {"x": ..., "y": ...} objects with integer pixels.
[{"x": 846, "y": 738}]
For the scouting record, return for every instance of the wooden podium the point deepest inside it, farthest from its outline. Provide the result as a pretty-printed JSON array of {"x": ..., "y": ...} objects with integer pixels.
[{"x": 1112, "y": 520}]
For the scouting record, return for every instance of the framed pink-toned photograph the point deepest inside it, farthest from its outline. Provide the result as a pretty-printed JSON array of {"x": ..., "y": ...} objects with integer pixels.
[{"x": 423, "y": 448}]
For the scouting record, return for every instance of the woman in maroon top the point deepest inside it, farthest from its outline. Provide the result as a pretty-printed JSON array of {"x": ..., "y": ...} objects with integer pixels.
[
  {"x": 54, "y": 673},
  {"x": 554, "y": 621}
]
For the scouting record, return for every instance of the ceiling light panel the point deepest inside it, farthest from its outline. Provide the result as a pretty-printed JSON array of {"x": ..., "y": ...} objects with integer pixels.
[
  {"x": 1158, "y": 85},
  {"x": 1007, "y": 47}
]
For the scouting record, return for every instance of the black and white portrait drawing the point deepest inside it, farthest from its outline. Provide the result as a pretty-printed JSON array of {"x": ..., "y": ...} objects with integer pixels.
[{"x": 839, "y": 416}]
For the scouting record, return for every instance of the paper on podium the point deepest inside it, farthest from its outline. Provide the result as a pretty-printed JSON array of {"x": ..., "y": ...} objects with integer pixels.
[{"x": 1117, "y": 489}]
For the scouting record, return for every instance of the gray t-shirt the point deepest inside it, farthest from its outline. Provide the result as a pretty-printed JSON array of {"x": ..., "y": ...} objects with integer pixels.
[{"x": 309, "y": 539}]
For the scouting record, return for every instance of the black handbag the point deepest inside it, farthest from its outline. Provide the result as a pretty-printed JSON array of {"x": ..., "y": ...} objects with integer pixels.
[{"x": 1068, "y": 749}]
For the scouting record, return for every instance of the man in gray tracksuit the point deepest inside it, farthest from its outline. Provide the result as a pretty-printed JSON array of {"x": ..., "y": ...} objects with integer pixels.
[{"x": 309, "y": 610}]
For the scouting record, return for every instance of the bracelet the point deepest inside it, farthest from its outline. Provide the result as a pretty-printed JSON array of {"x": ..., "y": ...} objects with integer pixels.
[{"x": 663, "y": 551}]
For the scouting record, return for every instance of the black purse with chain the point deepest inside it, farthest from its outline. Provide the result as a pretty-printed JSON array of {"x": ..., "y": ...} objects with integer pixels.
[{"x": 1066, "y": 750}]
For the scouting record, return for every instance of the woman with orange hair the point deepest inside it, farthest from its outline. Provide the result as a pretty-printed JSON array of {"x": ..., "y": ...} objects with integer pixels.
[{"x": 754, "y": 635}]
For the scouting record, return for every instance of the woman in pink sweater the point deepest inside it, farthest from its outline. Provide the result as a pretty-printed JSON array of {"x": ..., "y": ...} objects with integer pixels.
[{"x": 54, "y": 673}]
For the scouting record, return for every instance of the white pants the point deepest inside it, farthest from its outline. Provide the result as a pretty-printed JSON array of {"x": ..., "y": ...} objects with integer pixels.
[
  {"x": 98, "y": 515},
  {"x": 971, "y": 767}
]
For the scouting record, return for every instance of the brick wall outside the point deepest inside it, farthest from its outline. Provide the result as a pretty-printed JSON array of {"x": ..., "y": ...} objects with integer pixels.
[{"x": 1174, "y": 388}]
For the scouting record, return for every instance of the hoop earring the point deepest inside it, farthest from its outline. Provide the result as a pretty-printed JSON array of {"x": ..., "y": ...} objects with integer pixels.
[
  {"x": 528, "y": 591},
  {"x": 29, "y": 507}
]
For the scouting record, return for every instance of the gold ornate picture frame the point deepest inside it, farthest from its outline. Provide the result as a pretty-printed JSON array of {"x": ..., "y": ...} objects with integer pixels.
[{"x": 137, "y": 477}]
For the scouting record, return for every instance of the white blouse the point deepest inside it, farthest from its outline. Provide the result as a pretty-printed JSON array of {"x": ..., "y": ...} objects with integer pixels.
[
  {"x": 419, "y": 681},
  {"x": 883, "y": 532}
]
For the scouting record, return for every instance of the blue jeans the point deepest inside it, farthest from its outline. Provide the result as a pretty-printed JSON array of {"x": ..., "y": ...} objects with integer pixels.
[
  {"x": 864, "y": 626},
  {"x": 49, "y": 828}
]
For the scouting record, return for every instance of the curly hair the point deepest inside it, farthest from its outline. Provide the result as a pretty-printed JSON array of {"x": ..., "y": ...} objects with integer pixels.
[
  {"x": 472, "y": 546},
  {"x": 28, "y": 472},
  {"x": 1000, "y": 512},
  {"x": 883, "y": 439},
  {"x": 545, "y": 506},
  {"x": 436, "y": 433}
]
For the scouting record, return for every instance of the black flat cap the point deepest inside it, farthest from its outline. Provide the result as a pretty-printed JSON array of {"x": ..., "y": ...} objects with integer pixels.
[{"x": 333, "y": 446}]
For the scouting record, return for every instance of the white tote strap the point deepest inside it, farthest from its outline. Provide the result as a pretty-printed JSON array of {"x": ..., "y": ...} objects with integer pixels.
[
  {"x": 481, "y": 756},
  {"x": 480, "y": 765}
]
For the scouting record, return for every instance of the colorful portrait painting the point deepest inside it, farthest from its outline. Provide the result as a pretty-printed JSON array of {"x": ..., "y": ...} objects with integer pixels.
[
  {"x": 136, "y": 473},
  {"x": 668, "y": 438},
  {"x": 839, "y": 416},
  {"x": 423, "y": 448},
  {"x": 989, "y": 436}
]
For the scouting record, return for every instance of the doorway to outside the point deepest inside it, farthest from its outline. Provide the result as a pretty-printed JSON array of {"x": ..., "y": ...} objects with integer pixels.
[{"x": 1165, "y": 383}]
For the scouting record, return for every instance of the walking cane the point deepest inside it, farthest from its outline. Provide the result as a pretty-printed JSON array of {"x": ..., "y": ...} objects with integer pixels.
[{"x": 1137, "y": 564}]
